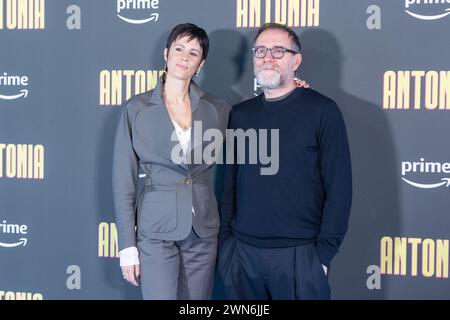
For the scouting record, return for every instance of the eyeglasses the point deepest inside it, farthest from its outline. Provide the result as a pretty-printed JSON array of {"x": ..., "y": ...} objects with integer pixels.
[{"x": 276, "y": 52}]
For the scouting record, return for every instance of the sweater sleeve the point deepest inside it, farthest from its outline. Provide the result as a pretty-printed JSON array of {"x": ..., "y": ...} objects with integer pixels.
[
  {"x": 228, "y": 203},
  {"x": 335, "y": 167},
  {"x": 125, "y": 176}
]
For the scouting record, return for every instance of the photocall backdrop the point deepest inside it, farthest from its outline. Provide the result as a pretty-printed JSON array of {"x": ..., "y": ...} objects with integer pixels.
[{"x": 66, "y": 66}]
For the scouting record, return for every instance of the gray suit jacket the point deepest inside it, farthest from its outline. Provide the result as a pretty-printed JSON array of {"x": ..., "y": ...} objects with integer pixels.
[{"x": 163, "y": 210}]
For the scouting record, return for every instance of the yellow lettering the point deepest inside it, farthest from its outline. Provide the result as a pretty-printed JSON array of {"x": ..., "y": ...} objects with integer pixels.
[
  {"x": 30, "y": 161},
  {"x": 135, "y": 82},
  {"x": 22, "y": 12},
  {"x": 418, "y": 75},
  {"x": 116, "y": 87},
  {"x": 386, "y": 255},
  {"x": 241, "y": 13},
  {"x": 268, "y": 11},
  {"x": 152, "y": 79},
  {"x": 1, "y": 15},
  {"x": 39, "y": 18},
  {"x": 428, "y": 257},
  {"x": 108, "y": 240},
  {"x": 304, "y": 13},
  {"x": 313, "y": 13},
  {"x": 37, "y": 296},
  {"x": 255, "y": 13},
  {"x": 128, "y": 76},
  {"x": 280, "y": 11},
  {"x": 139, "y": 82},
  {"x": 103, "y": 238},
  {"x": 22, "y": 152},
  {"x": 113, "y": 241},
  {"x": 400, "y": 256},
  {"x": 444, "y": 90},
  {"x": 11, "y": 14},
  {"x": 293, "y": 13},
  {"x": 38, "y": 161},
  {"x": 31, "y": 13},
  {"x": 403, "y": 85},
  {"x": 10, "y": 161},
  {"x": 431, "y": 90},
  {"x": 10, "y": 295},
  {"x": 442, "y": 258},
  {"x": 105, "y": 85},
  {"x": 389, "y": 85},
  {"x": 2, "y": 147},
  {"x": 23, "y": 296},
  {"x": 414, "y": 246}
]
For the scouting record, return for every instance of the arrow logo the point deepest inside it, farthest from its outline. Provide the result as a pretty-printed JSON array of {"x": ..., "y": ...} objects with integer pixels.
[
  {"x": 23, "y": 241},
  {"x": 436, "y": 17},
  {"x": 17, "y": 96},
  {"x": 153, "y": 16},
  {"x": 445, "y": 181}
]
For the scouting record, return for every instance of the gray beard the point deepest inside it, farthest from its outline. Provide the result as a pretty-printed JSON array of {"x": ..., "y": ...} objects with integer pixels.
[{"x": 270, "y": 82}]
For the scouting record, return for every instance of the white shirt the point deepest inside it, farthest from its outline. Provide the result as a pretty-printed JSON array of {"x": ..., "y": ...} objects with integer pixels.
[
  {"x": 130, "y": 256},
  {"x": 184, "y": 136}
]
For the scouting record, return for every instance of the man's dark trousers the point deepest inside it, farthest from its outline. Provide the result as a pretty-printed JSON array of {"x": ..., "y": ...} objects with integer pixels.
[{"x": 252, "y": 273}]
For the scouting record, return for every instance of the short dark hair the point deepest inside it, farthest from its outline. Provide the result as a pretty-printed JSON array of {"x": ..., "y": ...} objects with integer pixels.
[
  {"x": 296, "y": 45},
  {"x": 191, "y": 31}
]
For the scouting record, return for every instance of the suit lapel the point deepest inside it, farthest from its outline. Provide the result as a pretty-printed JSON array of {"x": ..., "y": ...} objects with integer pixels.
[
  {"x": 203, "y": 118},
  {"x": 154, "y": 126}
]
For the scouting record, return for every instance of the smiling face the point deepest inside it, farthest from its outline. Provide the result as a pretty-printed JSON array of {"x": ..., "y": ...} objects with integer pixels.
[
  {"x": 183, "y": 58},
  {"x": 275, "y": 73}
]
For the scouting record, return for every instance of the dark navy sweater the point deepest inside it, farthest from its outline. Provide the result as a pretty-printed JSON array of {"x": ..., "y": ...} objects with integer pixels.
[{"x": 308, "y": 200}]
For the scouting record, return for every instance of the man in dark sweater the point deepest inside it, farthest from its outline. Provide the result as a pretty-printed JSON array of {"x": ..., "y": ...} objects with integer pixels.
[{"x": 279, "y": 232}]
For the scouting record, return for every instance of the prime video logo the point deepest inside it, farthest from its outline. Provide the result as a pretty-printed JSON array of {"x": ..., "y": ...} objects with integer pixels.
[
  {"x": 7, "y": 81},
  {"x": 426, "y": 167},
  {"x": 15, "y": 229},
  {"x": 410, "y": 6},
  {"x": 138, "y": 6}
]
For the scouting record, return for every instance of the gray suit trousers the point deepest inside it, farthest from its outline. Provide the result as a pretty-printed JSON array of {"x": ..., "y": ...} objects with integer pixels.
[{"x": 177, "y": 270}]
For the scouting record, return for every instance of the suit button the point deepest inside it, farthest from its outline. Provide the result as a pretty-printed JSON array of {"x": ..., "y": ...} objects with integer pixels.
[{"x": 186, "y": 180}]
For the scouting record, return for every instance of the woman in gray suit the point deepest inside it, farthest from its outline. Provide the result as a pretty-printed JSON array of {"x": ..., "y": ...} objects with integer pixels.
[{"x": 168, "y": 232}]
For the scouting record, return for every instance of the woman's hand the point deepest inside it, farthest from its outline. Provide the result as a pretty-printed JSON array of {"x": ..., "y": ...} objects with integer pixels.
[
  {"x": 301, "y": 83},
  {"x": 131, "y": 274}
]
